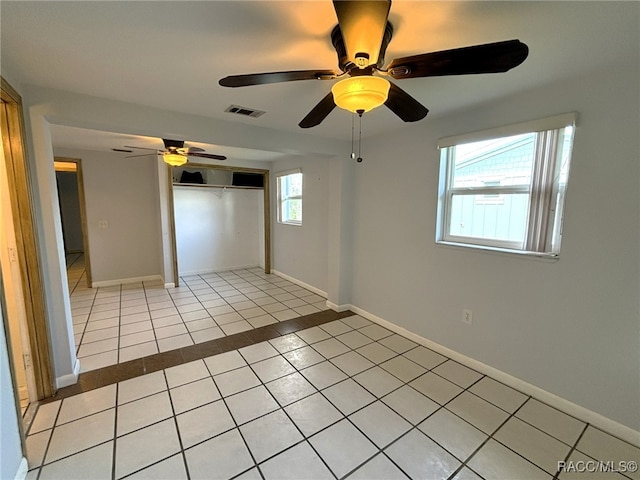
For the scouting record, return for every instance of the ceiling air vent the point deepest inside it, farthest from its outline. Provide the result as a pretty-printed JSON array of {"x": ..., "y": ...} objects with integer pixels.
[{"x": 247, "y": 112}]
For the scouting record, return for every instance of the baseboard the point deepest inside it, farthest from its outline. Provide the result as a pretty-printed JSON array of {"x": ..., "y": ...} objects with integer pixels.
[
  {"x": 584, "y": 414},
  {"x": 169, "y": 285},
  {"x": 338, "y": 308},
  {"x": 23, "y": 469},
  {"x": 70, "y": 379},
  {"x": 124, "y": 281},
  {"x": 315, "y": 290}
]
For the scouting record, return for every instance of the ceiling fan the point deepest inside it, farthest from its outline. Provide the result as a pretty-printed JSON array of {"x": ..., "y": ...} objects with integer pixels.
[
  {"x": 176, "y": 154},
  {"x": 361, "y": 39}
]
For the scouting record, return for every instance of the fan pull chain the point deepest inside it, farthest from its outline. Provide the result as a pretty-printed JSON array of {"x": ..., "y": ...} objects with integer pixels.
[
  {"x": 353, "y": 129},
  {"x": 359, "y": 159}
]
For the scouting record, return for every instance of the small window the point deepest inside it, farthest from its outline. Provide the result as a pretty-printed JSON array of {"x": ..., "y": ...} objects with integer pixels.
[
  {"x": 290, "y": 197},
  {"x": 504, "y": 189}
]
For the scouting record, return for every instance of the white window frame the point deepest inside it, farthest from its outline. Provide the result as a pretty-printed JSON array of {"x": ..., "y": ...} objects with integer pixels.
[
  {"x": 544, "y": 224},
  {"x": 281, "y": 198}
]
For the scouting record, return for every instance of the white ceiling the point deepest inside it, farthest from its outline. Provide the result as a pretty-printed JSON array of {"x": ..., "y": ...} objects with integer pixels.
[{"x": 171, "y": 54}]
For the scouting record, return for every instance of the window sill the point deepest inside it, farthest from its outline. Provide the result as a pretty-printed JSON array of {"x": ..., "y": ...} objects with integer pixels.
[
  {"x": 551, "y": 257},
  {"x": 292, "y": 224}
]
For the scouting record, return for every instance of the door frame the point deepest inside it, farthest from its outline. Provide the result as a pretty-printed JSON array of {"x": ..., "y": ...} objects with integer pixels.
[
  {"x": 18, "y": 173},
  {"x": 266, "y": 208},
  {"x": 83, "y": 214}
]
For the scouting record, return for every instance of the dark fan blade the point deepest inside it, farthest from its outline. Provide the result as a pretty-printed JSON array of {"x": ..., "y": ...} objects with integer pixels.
[
  {"x": 276, "y": 77},
  {"x": 488, "y": 58},
  {"x": 140, "y": 148},
  {"x": 319, "y": 112},
  {"x": 141, "y": 155},
  {"x": 404, "y": 105},
  {"x": 208, "y": 155},
  {"x": 192, "y": 150},
  {"x": 362, "y": 23}
]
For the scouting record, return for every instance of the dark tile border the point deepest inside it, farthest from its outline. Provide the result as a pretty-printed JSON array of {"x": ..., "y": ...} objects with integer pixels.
[{"x": 140, "y": 366}]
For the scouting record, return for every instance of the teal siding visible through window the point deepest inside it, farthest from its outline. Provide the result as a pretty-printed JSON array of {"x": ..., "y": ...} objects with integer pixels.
[{"x": 505, "y": 192}]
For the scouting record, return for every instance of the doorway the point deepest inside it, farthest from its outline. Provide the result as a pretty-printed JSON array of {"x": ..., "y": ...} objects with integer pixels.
[
  {"x": 71, "y": 199},
  {"x": 212, "y": 220},
  {"x": 25, "y": 322},
  {"x": 12, "y": 291}
]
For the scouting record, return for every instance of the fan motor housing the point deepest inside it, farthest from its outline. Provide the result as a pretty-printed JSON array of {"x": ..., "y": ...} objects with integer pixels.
[
  {"x": 338, "y": 43},
  {"x": 173, "y": 144}
]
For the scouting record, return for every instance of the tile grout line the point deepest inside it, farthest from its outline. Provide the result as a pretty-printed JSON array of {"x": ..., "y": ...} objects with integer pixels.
[
  {"x": 115, "y": 433},
  {"x": 119, "y": 329},
  {"x": 489, "y": 436},
  {"x": 46, "y": 450},
  {"x": 304, "y": 437},
  {"x": 321, "y": 392},
  {"x": 380, "y": 450},
  {"x": 571, "y": 450},
  {"x": 86, "y": 322},
  {"x": 237, "y": 427},
  {"x": 168, "y": 391},
  {"x": 175, "y": 423},
  {"x": 226, "y": 281},
  {"x": 414, "y": 427}
]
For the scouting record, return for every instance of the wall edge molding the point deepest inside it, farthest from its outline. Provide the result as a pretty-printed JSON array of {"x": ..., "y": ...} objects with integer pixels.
[
  {"x": 124, "y": 281},
  {"x": 338, "y": 308},
  {"x": 315, "y": 290},
  {"x": 71, "y": 378},
  {"x": 23, "y": 469}
]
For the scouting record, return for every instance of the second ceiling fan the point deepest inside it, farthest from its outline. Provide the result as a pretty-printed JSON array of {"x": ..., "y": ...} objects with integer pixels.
[
  {"x": 361, "y": 39},
  {"x": 176, "y": 154}
]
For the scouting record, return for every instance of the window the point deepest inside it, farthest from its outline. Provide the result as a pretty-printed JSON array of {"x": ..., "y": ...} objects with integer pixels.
[
  {"x": 290, "y": 197},
  {"x": 504, "y": 188}
]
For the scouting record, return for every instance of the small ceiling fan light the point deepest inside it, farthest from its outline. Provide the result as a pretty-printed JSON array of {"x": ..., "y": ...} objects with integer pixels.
[
  {"x": 363, "y": 92},
  {"x": 174, "y": 159}
]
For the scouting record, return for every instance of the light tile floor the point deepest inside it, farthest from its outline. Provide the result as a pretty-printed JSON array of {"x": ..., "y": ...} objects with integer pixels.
[
  {"x": 116, "y": 324},
  {"x": 346, "y": 399}
]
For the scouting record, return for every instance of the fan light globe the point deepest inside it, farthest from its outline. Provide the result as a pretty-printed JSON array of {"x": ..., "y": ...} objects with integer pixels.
[
  {"x": 174, "y": 159},
  {"x": 363, "y": 92}
]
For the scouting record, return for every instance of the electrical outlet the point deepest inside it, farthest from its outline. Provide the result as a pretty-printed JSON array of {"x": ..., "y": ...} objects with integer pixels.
[
  {"x": 467, "y": 316},
  {"x": 103, "y": 224}
]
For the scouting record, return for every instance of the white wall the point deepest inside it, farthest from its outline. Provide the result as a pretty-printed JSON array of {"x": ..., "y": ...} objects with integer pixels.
[
  {"x": 571, "y": 327},
  {"x": 165, "y": 243},
  {"x": 10, "y": 446},
  {"x": 301, "y": 251},
  {"x": 218, "y": 229},
  {"x": 124, "y": 192},
  {"x": 51, "y": 249}
]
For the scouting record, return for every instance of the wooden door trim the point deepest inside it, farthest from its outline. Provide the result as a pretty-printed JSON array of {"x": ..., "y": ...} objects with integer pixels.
[{"x": 15, "y": 152}]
